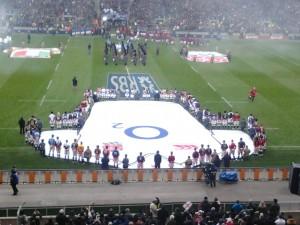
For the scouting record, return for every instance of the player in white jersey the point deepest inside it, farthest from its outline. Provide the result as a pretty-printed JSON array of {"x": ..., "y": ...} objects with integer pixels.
[
  {"x": 58, "y": 121},
  {"x": 51, "y": 118},
  {"x": 74, "y": 147},
  {"x": 64, "y": 120},
  {"x": 67, "y": 149},
  {"x": 58, "y": 145}
]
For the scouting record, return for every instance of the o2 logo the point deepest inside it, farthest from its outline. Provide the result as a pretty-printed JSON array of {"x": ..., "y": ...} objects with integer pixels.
[{"x": 131, "y": 131}]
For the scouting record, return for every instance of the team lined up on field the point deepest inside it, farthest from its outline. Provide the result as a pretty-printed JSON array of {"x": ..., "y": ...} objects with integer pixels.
[
  {"x": 78, "y": 152},
  {"x": 210, "y": 119}
]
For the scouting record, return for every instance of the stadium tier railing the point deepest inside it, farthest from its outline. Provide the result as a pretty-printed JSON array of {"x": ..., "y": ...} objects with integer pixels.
[
  {"x": 9, "y": 213},
  {"x": 138, "y": 175},
  {"x": 51, "y": 211}
]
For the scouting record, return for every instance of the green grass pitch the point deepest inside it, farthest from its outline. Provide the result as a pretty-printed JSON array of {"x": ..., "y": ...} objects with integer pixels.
[{"x": 272, "y": 66}]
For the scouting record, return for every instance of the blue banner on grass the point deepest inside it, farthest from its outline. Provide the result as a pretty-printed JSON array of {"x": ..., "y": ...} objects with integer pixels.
[{"x": 133, "y": 81}]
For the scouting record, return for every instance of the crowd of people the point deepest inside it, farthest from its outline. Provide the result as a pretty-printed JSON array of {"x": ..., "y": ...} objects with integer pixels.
[
  {"x": 202, "y": 154},
  {"x": 206, "y": 212},
  {"x": 234, "y": 16},
  {"x": 51, "y": 15},
  {"x": 31, "y": 129},
  {"x": 108, "y": 154},
  {"x": 76, "y": 118}
]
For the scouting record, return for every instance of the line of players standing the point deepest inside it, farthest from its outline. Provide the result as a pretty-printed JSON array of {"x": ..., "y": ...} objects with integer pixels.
[
  {"x": 206, "y": 155},
  {"x": 199, "y": 156},
  {"x": 124, "y": 52},
  {"x": 80, "y": 153}
]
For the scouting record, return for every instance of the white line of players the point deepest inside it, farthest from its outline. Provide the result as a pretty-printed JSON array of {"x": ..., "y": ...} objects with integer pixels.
[
  {"x": 78, "y": 152},
  {"x": 65, "y": 120}
]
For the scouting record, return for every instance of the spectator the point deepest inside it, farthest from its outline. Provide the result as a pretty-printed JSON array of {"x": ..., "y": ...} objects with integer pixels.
[
  {"x": 274, "y": 209},
  {"x": 280, "y": 220},
  {"x": 21, "y": 216},
  {"x": 237, "y": 207},
  {"x": 162, "y": 215},
  {"x": 35, "y": 218},
  {"x": 204, "y": 205},
  {"x": 171, "y": 220},
  {"x": 61, "y": 218},
  {"x": 291, "y": 220},
  {"x": 155, "y": 208}
]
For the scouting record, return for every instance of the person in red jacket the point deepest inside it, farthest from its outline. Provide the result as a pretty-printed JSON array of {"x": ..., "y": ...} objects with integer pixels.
[{"x": 252, "y": 94}]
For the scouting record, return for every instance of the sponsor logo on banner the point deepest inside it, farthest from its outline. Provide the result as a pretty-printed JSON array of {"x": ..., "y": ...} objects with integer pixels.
[
  {"x": 277, "y": 37},
  {"x": 185, "y": 147},
  {"x": 251, "y": 37},
  {"x": 207, "y": 57},
  {"x": 133, "y": 81},
  {"x": 38, "y": 53},
  {"x": 112, "y": 146}
]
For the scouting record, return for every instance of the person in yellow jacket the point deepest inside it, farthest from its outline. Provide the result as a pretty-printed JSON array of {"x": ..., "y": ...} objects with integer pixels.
[{"x": 80, "y": 151}]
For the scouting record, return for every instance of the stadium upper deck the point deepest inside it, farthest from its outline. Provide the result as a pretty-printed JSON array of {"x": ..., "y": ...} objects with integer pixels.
[{"x": 267, "y": 16}]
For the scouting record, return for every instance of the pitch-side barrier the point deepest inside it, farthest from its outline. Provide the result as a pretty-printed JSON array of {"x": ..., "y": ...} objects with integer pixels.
[{"x": 137, "y": 175}]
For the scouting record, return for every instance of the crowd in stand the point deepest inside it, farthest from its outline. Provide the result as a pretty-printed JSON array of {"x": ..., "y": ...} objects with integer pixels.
[
  {"x": 51, "y": 14},
  {"x": 267, "y": 16},
  {"x": 204, "y": 213}
]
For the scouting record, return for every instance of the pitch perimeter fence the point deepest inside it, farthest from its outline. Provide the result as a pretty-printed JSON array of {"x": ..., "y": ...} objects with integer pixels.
[{"x": 138, "y": 175}]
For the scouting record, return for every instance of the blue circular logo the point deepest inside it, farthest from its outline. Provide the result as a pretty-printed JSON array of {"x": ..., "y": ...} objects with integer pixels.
[{"x": 162, "y": 132}]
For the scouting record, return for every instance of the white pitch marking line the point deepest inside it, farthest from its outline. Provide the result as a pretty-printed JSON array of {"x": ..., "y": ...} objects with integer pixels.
[
  {"x": 127, "y": 70},
  {"x": 193, "y": 68},
  {"x": 42, "y": 101},
  {"x": 227, "y": 102},
  {"x": 212, "y": 87},
  {"x": 56, "y": 68},
  {"x": 49, "y": 84}
]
